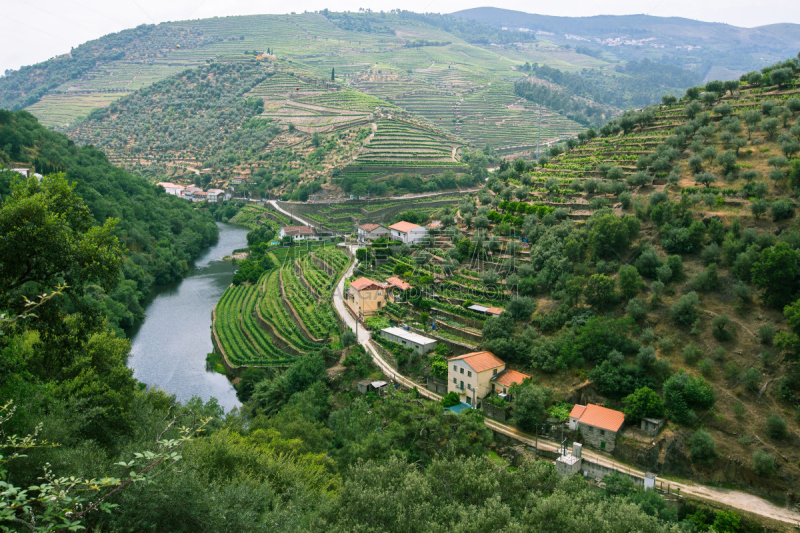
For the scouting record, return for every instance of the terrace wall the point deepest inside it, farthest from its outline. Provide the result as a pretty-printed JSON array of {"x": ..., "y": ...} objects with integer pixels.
[
  {"x": 456, "y": 347},
  {"x": 436, "y": 385}
]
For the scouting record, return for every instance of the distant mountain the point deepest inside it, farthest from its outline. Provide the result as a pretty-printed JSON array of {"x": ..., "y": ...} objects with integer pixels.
[{"x": 689, "y": 43}]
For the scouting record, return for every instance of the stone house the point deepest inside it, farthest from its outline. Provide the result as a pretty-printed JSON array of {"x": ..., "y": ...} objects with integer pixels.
[
  {"x": 371, "y": 232},
  {"x": 598, "y": 425}
]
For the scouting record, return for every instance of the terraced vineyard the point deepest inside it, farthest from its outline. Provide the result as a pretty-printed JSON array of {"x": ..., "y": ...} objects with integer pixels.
[
  {"x": 316, "y": 316},
  {"x": 398, "y": 144}
]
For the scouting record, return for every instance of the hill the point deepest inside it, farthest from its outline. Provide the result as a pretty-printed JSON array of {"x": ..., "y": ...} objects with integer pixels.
[
  {"x": 689, "y": 43},
  {"x": 161, "y": 234},
  {"x": 655, "y": 258}
]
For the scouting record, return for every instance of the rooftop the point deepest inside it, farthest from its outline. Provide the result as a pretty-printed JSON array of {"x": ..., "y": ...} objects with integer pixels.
[
  {"x": 365, "y": 283},
  {"x": 458, "y": 408},
  {"x": 404, "y": 226},
  {"x": 298, "y": 230},
  {"x": 510, "y": 377},
  {"x": 369, "y": 227},
  {"x": 577, "y": 411},
  {"x": 409, "y": 335},
  {"x": 480, "y": 361},
  {"x": 602, "y": 417},
  {"x": 399, "y": 283}
]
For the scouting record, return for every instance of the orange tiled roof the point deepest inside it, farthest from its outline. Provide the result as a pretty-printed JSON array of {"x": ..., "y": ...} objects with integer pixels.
[
  {"x": 403, "y": 226},
  {"x": 365, "y": 283},
  {"x": 495, "y": 311},
  {"x": 399, "y": 283},
  {"x": 508, "y": 378},
  {"x": 369, "y": 227},
  {"x": 602, "y": 417},
  {"x": 480, "y": 361},
  {"x": 577, "y": 411},
  {"x": 298, "y": 230}
]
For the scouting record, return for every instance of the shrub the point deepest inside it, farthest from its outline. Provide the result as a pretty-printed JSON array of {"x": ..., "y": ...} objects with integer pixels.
[
  {"x": 722, "y": 328},
  {"x": 706, "y": 281},
  {"x": 630, "y": 282},
  {"x": 349, "y": 338},
  {"x": 691, "y": 354},
  {"x": 782, "y": 209},
  {"x": 766, "y": 334},
  {"x": 450, "y": 399},
  {"x": 600, "y": 291},
  {"x": 685, "y": 311},
  {"x": 776, "y": 427},
  {"x": 706, "y": 367},
  {"x": 763, "y": 463},
  {"x": 636, "y": 309},
  {"x": 738, "y": 409},
  {"x": 702, "y": 447},
  {"x": 684, "y": 393},
  {"x": 643, "y": 403},
  {"x": 751, "y": 379}
]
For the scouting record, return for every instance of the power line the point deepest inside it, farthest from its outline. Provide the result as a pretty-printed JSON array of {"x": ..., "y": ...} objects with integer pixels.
[
  {"x": 60, "y": 39},
  {"x": 124, "y": 25},
  {"x": 195, "y": 8},
  {"x": 143, "y": 11}
]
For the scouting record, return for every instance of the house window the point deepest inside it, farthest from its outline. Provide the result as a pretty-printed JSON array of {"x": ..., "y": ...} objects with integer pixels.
[
  {"x": 462, "y": 385},
  {"x": 469, "y": 387},
  {"x": 462, "y": 370},
  {"x": 469, "y": 374},
  {"x": 455, "y": 381},
  {"x": 494, "y": 372},
  {"x": 602, "y": 432},
  {"x": 455, "y": 368}
]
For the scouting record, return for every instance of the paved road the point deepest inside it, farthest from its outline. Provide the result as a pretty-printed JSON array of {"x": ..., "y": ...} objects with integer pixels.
[{"x": 736, "y": 499}]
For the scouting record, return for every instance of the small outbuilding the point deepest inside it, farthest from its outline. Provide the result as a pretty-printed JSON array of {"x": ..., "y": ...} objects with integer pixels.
[
  {"x": 652, "y": 426},
  {"x": 416, "y": 342},
  {"x": 364, "y": 386}
]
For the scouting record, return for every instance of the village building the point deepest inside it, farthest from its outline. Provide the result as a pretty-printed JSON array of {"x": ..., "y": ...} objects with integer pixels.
[
  {"x": 199, "y": 196},
  {"x": 407, "y": 232},
  {"x": 470, "y": 375},
  {"x": 409, "y": 339},
  {"x": 396, "y": 287},
  {"x": 598, "y": 425},
  {"x": 366, "y": 297},
  {"x": 171, "y": 188},
  {"x": 188, "y": 192},
  {"x": 494, "y": 311},
  {"x": 215, "y": 195},
  {"x": 502, "y": 382},
  {"x": 298, "y": 233},
  {"x": 378, "y": 387},
  {"x": 371, "y": 232},
  {"x": 652, "y": 426}
]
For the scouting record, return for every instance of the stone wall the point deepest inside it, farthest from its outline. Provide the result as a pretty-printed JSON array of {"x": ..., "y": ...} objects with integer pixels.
[
  {"x": 492, "y": 411},
  {"x": 439, "y": 386},
  {"x": 593, "y": 437},
  {"x": 467, "y": 335},
  {"x": 469, "y": 322},
  {"x": 456, "y": 347}
]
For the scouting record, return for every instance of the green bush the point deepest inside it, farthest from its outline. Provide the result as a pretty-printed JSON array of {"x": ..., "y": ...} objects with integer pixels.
[
  {"x": 450, "y": 399},
  {"x": 776, "y": 426},
  {"x": 751, "y": 379},
  {"x": 763, "y": 463},
  {"x": 766, "y": 334},
  {"x": 686, "y": 310},
  {"x": 702, "y": 447},
  {"x": 722, "y": 328}
]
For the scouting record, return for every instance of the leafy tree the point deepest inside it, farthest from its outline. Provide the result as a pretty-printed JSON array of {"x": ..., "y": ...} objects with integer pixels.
[
  {"x": 530, "y": 406},
  {"x": 776, "y": 274},
  {"x": 630, "y": 282},
  {"x": 521, "y": 307},
  {"x": 685, "y": 311},
  {"x": 601, "y": 291},
  {"x": 683, "y": 394},
  {"x": 776, "y": 427},
  {"x": 348, "y": 338},
  {"x": 770, "y": 127},
  {"x": 722, "y": 328},
  {"x": 450, "y": 399},
  {"x": 780, "y": 76},
  {"x": 610, "y": 235},
  {"x": 763, "y": 463},
  {"x": 705, "y": 178},
  {"x": 758, "y": 208},
  {"x": 643, "y": 403},
  {"x": 702, "y": 447}
]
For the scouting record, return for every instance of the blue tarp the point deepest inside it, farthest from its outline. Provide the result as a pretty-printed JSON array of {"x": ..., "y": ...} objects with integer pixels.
[{"x": 459, "y": 408}]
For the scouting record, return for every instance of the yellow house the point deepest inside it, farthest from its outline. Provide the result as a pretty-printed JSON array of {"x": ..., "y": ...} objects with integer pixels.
[
  {"x": 366, "y": 297},
  {"x": 470, "y": 375}
]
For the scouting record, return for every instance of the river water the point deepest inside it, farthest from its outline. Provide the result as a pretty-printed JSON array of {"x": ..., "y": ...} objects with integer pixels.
[{"x": 169, "y": 348}]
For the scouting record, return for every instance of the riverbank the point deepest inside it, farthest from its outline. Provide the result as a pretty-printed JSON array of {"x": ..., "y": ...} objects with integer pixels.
[{"x": 169, "y": 347}]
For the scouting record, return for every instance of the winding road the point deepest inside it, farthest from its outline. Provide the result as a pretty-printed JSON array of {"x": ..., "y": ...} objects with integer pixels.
[{"x": 732, "y": 498}]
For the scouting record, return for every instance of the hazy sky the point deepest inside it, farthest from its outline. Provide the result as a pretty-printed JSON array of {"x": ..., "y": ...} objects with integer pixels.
[{"x": 36, "y": 30}]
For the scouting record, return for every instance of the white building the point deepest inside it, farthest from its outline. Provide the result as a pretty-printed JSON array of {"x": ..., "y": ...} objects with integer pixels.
[
  {"x": 299, "y": 233},
  {"x": 407, "y": 232},
  {"x": 215, "y": 195},
  {"x": 171, "y": 188},
  {"x": 470, "y": 375},
  {"x": 371, "y": 232},
  {"x": 418, "y": 343}
]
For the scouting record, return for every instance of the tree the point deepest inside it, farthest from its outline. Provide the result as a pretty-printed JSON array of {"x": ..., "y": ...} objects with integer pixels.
[
  {"x": 727, "y": 160},
  {"x": 450, "y": 399},
  {"x": 600, "y": 291},
  {"x": 724, "y": 109},
  {"x": 776, "y": 274},
  {"x": 705, "y": 178},
  {"x": 685, "y": 311},
  {"x": 758, "y": 208},
  {"x": 752, "y": 118},
  {"x": 779, "y": 76},
  {"x": 692, "y": 108},
  {"x": 630, "y": 282},
  {"x": 763, "y": 463},
  {"x": 348, "y": 338},
  {"x": 638, "y": 179},
  {"x": 722, "y": 328},
  {"x": 530, "y": 406},
  {"x": 669, "y": 99},
  {"x": 776, "y": 427},
  {"x": 609, "y": 234},
  {"x": 702, "y": 447},
  {"x": 696, "y": 163},
  {"x": 770, "y": 127},
  {"x": 521, "y": 308},
  {"x": 333, "y": 74},
  {"x": 643, "y": 403}
]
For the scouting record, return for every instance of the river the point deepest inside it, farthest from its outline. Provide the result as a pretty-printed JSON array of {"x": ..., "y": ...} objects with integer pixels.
[{"x": 169, "y": 348}]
